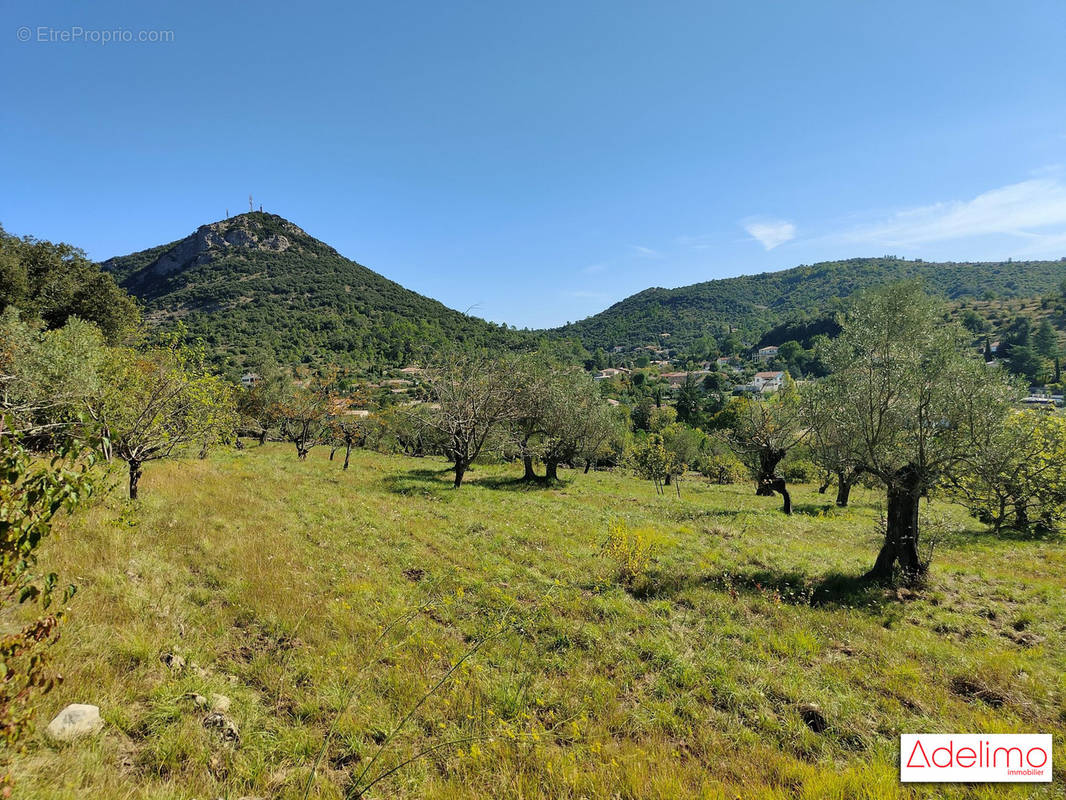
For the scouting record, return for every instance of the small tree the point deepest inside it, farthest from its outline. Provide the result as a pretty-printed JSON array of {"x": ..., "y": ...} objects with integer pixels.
[
  {"x": 762, "y": 433},
  {"x": 257, "y": 403},
  {"x": 576, "y": 421},
  {"x": 155, "y": 402},
  {"x": 684, "y": 445},
  {"x": 473, "y": 395},
  {"x": 830, "y": 447},
  {"x": 303, "y": 414},
  {"x": 651, "y": 461},
  {"x": 1017, "y": 473}
]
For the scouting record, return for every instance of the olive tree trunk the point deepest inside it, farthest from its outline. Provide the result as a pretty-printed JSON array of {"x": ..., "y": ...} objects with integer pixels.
[
  {"x": 135, "y": 478},
  {"x": 901, "y": 529}
]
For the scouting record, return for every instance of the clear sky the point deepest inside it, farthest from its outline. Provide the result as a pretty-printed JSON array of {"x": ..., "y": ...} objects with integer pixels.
[{"x": 537, "y": 161}]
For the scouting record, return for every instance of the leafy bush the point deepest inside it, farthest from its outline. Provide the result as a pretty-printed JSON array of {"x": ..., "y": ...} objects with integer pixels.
[
  {"x": 722, "y": 468},
  {"x": 800, "y": 471}
]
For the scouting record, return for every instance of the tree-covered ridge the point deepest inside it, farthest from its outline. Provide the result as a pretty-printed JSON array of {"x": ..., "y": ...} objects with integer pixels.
[
  {"x": 751, "y": 304},
  {"x": 256, "y": 286},
  {"x": 53, "y": 282}
]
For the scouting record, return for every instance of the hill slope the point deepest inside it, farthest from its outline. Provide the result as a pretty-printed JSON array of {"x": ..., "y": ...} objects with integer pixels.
[
  {"x": 751, "y": 304},
  {"x": 257, "y": 285}
]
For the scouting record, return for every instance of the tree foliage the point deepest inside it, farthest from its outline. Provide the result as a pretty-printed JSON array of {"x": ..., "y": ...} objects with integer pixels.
[
  {"x": 156, "y": 401},
  {"x": 56, "y": 282},
  {"x": 33, "y": 492},
  {"x": 910, "y": 402},
  {"x": 1017, "y": 474}
]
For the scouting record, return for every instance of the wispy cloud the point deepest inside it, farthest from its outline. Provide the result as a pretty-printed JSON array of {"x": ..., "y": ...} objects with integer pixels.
[
  {"x": 770, "y": 233},
  {"x": 645, "y": 252},
  {"x": 1033, "y": 211},
  {"x": 594, "y": 269}
]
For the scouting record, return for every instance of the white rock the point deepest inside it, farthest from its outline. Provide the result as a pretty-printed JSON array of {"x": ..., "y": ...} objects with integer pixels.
[
  {"x": 219, "y": 702},
  {"x": 75, "y": 721}
]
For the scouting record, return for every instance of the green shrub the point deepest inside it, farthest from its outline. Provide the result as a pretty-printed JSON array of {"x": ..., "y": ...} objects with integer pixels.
[
  {"x": 800, "y": 471},
  {"x": 722, "y": 468}
]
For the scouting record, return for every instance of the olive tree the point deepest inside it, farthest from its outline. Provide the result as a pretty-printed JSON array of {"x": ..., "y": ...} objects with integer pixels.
[
  {"x": 576, "y": 421},
  {"x": 302, "y": 414},
  {"x": 762, "y": 433},
  {"x": 910, "y": 403},
  {"x": 1017, "y": 475},
  {"x": 472, "y": 396},
  {"x": 46, "y": 375},
  {"x": 830, "y": 447},
  {"x": 154, "y": 402}
]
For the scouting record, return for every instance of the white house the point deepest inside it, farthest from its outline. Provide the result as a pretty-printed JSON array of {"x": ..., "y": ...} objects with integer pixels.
[
  {"x": 610, "y": 372},
  {"x": 766, "y": 353},
  {"x": 768, "y": 381},
  {"x": 249, "y": 379}
]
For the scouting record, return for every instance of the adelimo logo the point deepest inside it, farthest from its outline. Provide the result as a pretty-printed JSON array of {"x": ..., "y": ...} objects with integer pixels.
[{"x": 975, "y": 758}]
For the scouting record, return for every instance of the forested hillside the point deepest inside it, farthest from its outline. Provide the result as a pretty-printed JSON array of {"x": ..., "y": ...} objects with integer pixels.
[
  {"x": 751, "y": 304},
  {"x": 256, "y": 286}
]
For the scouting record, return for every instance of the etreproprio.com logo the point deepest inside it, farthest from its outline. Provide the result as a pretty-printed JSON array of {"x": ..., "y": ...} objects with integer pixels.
[{"x": 45, "y": 34}]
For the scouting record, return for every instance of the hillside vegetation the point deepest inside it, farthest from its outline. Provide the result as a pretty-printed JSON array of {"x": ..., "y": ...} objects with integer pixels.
[
  {"x": 256, "y": 286},
  {"x": 746, "y": 661},
  {"x": 751, "y": 304}
]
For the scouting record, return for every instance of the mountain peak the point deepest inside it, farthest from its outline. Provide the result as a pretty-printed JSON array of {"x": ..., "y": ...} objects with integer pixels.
[{"x": 257, "y": 283}]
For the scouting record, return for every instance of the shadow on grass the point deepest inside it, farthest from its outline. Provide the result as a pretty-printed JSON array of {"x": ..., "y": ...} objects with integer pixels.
[
  {"x": 834, "y": 590},
  {"x": 419, "y": 481},
  {"x": 1033, "y": 534},
  {"x": 818, "y": 509},
  {"x": 520, "y": 484}
]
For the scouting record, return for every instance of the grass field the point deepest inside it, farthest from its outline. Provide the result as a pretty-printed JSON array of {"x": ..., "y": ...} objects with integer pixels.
[{"x": 318, "y": 600}]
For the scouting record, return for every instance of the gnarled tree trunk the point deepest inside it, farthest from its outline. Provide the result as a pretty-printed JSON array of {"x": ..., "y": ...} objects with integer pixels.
[
  {"x": 901, "y": 531},
  {"x": 135, "y": 478},
  {"x": 843, "y": 489},
  {"x": 778, "y": 485},
  {"x": 527, "y": 464},
  {"x": 768, "y": 461},
  {"x": 551, "y": 470}
]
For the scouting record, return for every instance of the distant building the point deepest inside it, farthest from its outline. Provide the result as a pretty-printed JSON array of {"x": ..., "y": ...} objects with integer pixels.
[
  {"x": 994, "y": 347},
  {"x": 249, "y": 379},
  {"x": 610, "y": 372},
  {"x": 768, "y": 381},
  {"x": 766, "y": 353}
]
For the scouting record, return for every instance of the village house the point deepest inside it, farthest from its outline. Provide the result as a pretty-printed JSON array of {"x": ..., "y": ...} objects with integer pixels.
[
  {"x": 610, "y": 372},
  {"x": 768, "y": 381},
  {"x": 766, "y": 353},
  {"x": 249, "y": 379}
]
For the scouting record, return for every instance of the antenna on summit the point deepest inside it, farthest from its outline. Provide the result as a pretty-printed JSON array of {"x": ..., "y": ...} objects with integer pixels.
[{"x": 250, "y": 208}]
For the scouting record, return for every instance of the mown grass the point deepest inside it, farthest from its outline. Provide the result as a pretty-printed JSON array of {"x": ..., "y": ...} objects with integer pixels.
[{"x": 275, "y": 577}]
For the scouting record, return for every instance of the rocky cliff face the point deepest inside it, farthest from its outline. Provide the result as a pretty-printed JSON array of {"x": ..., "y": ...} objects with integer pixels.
[{"x": 248, "y": 232}]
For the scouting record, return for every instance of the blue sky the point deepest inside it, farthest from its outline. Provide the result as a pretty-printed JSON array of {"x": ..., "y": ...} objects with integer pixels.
[{"x": 536, "y": 162}]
